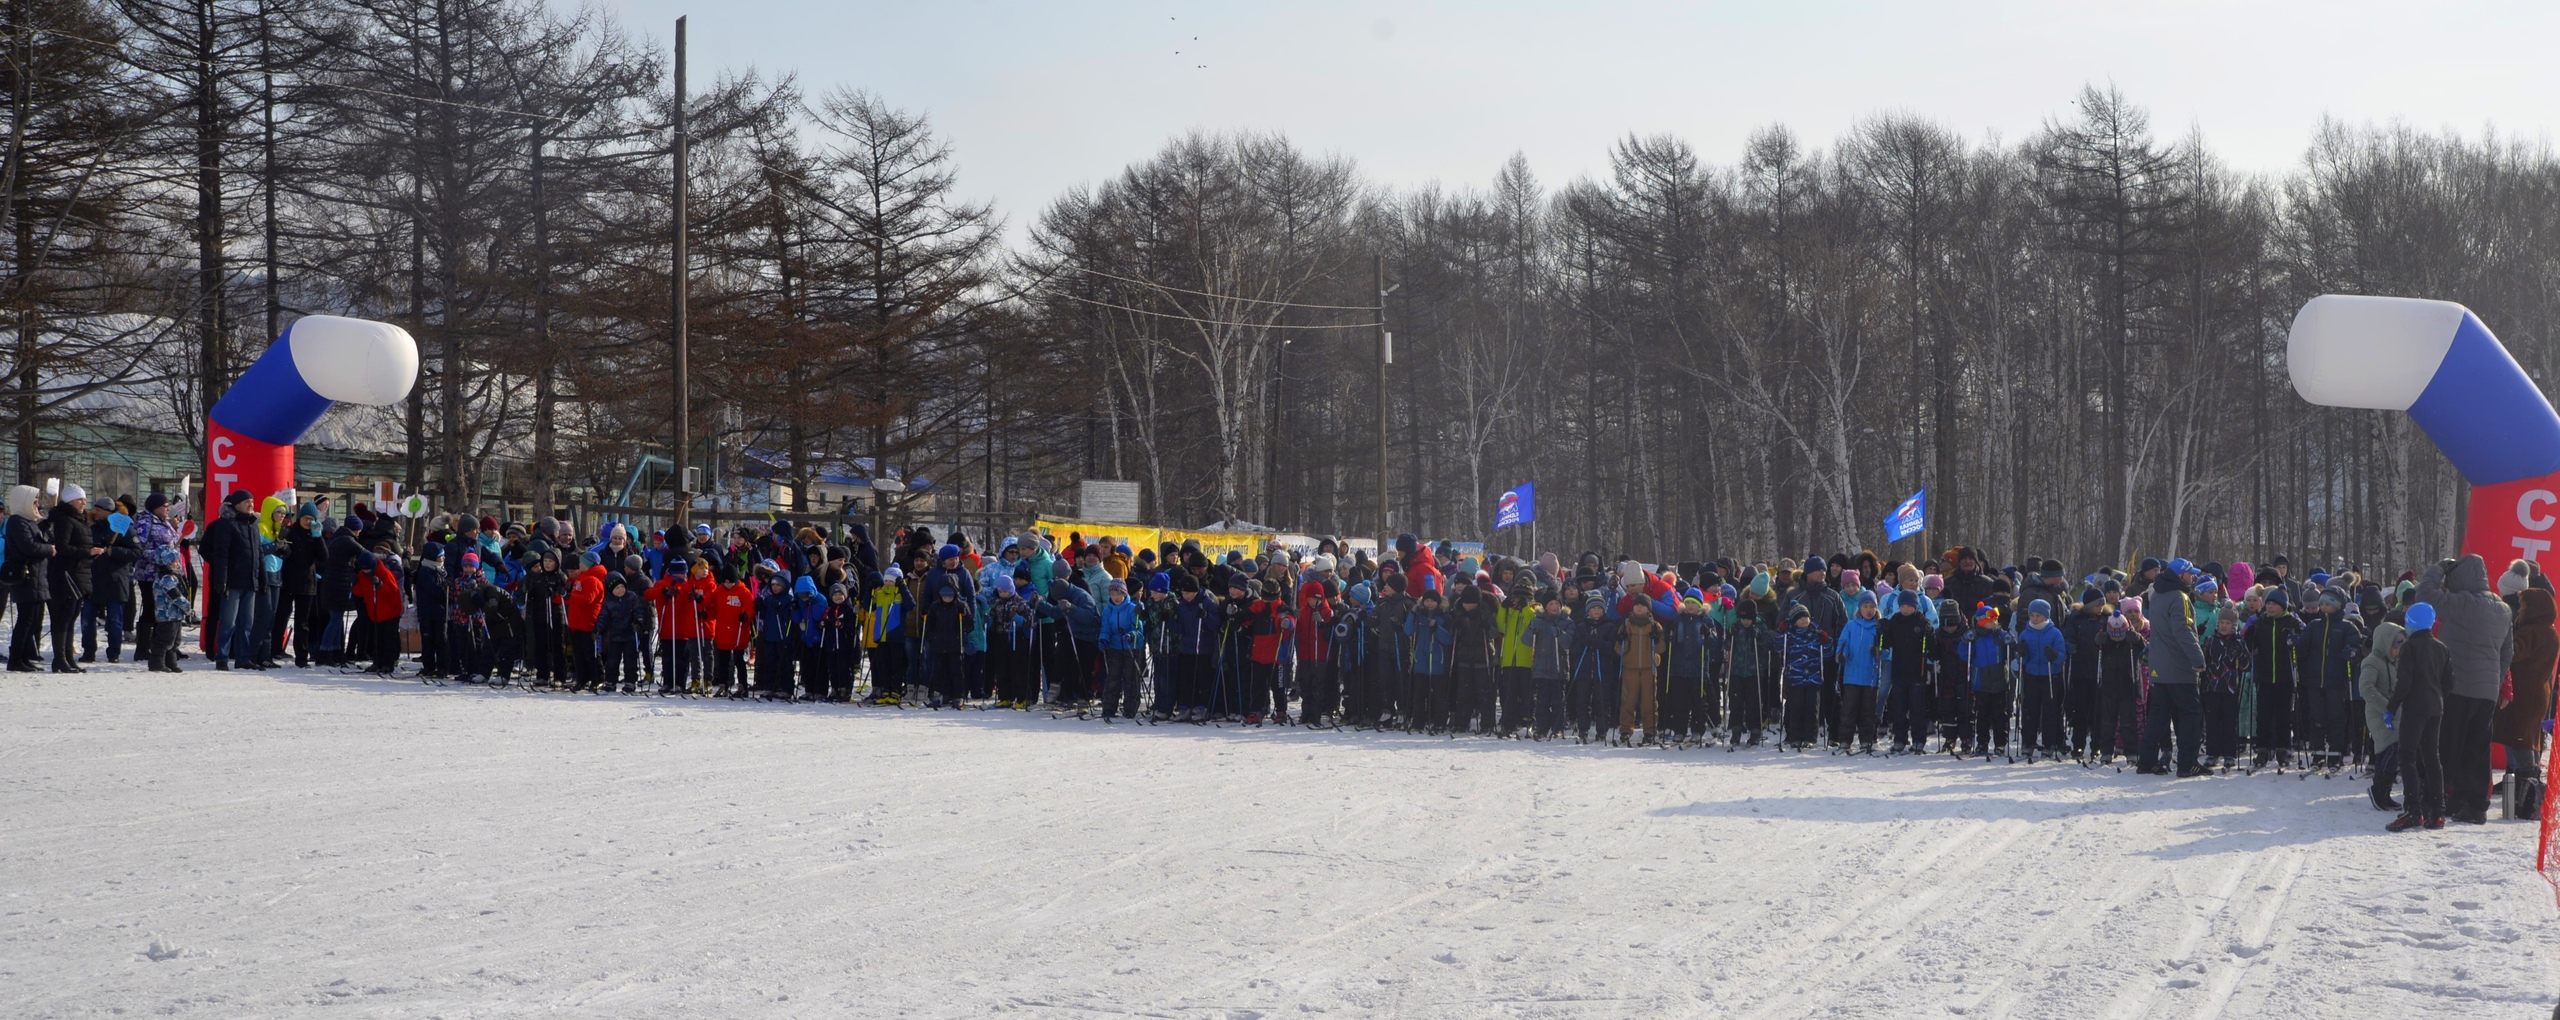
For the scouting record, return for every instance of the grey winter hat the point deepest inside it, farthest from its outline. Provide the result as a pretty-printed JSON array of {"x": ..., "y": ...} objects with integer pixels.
[{"x": 634, "y": 564}]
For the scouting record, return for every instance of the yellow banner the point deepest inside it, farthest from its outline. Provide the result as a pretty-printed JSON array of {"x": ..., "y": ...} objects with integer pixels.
[
  {"x": 1138, "y": 536},
  {"x": 1213, "y": 544}
]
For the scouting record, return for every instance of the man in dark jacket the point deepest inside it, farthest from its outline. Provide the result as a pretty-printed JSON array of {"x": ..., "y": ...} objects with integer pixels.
[
  {"x": 2479, "y": 637},
  {"x": 231, "y": 578},
  {"x": 110, "y": 574},
  {"x": 337, "y": 589},
  {"x": 299, "y": 601},
  {"x": 1967, "y": 584},
  {"x": 2177, "y": 664},
  {"x": 67, "y": 573}
]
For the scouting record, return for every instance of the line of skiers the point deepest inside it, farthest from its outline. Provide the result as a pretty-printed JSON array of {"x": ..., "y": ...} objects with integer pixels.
[{"x": 2244, "y": 668}]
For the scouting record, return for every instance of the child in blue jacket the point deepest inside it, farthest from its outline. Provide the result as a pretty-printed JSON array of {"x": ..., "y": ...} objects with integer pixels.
[
  {"x": 1861, "y": 652},
  {"x": 1802, "y": 647},
  {"x": 1121, "y": 639},
  {"x": 1986, "y": 657}
]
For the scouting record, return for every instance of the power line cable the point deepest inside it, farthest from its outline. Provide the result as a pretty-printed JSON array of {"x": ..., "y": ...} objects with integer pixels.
[
  {"x": 1214, "y": 322},
  {"x": 1227, "y": 297}
]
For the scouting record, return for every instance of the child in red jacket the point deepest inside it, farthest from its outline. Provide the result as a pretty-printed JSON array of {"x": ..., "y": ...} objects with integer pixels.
[
  {"x": 377, "y": 590},
  {"x": 732, "y": 620}
]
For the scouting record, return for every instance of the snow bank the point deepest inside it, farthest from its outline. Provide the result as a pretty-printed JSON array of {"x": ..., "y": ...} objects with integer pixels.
[{"x": 281, "y": 845}]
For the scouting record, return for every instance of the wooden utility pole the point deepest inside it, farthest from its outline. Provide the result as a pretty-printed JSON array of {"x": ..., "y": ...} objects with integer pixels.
[
  {"x": 683, "y": 371},
  {"x": 1386, "y": 356}
]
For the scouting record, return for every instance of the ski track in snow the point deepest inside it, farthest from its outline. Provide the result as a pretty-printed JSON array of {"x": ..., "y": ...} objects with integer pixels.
[{"x": 310, "y": 844}]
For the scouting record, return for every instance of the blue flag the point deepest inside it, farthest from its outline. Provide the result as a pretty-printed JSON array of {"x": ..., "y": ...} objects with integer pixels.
[
  {"x": 1908, "y": 518},
  {"x": 1518, "y": 506}
]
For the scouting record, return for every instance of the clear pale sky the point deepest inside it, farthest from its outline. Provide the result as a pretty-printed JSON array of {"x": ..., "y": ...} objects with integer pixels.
[{"x": 1039, "y": 96}]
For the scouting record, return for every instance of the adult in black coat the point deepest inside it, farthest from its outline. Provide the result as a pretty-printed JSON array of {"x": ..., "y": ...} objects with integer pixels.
[
  {"x": 299, "y": 601},
  {"x": 22, "y": 572},
  {"x": 1967, "y": 584},
  {"x": 110, "y": 574},
  {"x": 67, "y": 573},
  {"x": 337, "y": 589},
  {"x": 230, "y": 554}
]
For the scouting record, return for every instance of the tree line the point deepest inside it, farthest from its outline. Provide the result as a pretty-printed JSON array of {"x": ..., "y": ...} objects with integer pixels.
[{"x": 2073, "y": 340}]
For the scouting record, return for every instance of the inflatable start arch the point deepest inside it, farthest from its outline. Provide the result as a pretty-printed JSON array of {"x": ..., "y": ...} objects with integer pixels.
[
  {"x": 2435, "y": 360},
  {"x": 320, "y": 359}
]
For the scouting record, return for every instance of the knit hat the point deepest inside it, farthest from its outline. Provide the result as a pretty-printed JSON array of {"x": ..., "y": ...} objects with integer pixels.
[
  {"x": 71, "y": 492},
  {"x": 2115, "y": 621},
  {"x": 2041, "y": 608},
  {"x": 1118, "y": 585},
  {"x": 1186, "y": 583},
  {"x": 2148, "y": 564},
  {"x": 1866, "y": 598},
  {"x": 1004, "y": 583},
  {"x": 613, "y": 581},
  {"x": 889, "y": 575},
  {"x": 1360, "y": 593},
  {"x": 236, "y": 496},
  {"x": 836, "y": 591},
  {"x": 1814, "y": 563},
  {"x": 1799, "y": 612},
  {"x": 949, "y": 552},
  {"x": 2319, "y": 577},
  {"x": 154, "y": 502},
  {"x": 1932, "y": 582},
  {"x": 2276, "y": 597},
  {"x": 2420, "y": 617},
  {"x": 1726, "y": 591},
  {"x": 1849, "y": 578},
  {"x": 470, "y": 560},
  {"x": 2512, "y": 582},
  {"x": 1321, "y": 563},
  {"x": 488, "y": 523},
  {"x": 2206, "y": 585},
  {"x": 1988, "y": 617}
]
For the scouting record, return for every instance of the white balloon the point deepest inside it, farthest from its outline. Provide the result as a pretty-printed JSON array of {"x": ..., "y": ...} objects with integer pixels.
[
  {"x": 354, "y": 361},
  {"x": 2351, "y": 350}
]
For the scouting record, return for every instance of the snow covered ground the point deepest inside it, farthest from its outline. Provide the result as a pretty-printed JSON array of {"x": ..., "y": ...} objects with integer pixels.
[{"x": 307, "y": 844}]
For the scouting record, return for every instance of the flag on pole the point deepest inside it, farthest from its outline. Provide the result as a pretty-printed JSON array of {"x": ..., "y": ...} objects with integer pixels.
[
  {"x": 1517, "y": 506},
  {"x": 1907, "y": 519}
]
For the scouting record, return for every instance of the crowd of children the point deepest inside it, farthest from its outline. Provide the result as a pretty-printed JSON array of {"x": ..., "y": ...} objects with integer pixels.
[{"x": 2174, "y": 668}]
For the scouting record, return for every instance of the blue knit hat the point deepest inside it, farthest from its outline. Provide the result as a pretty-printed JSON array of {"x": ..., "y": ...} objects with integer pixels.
[
  {"x": 2041, "y": 608},
  {"x": 2420, "y": 617}
]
